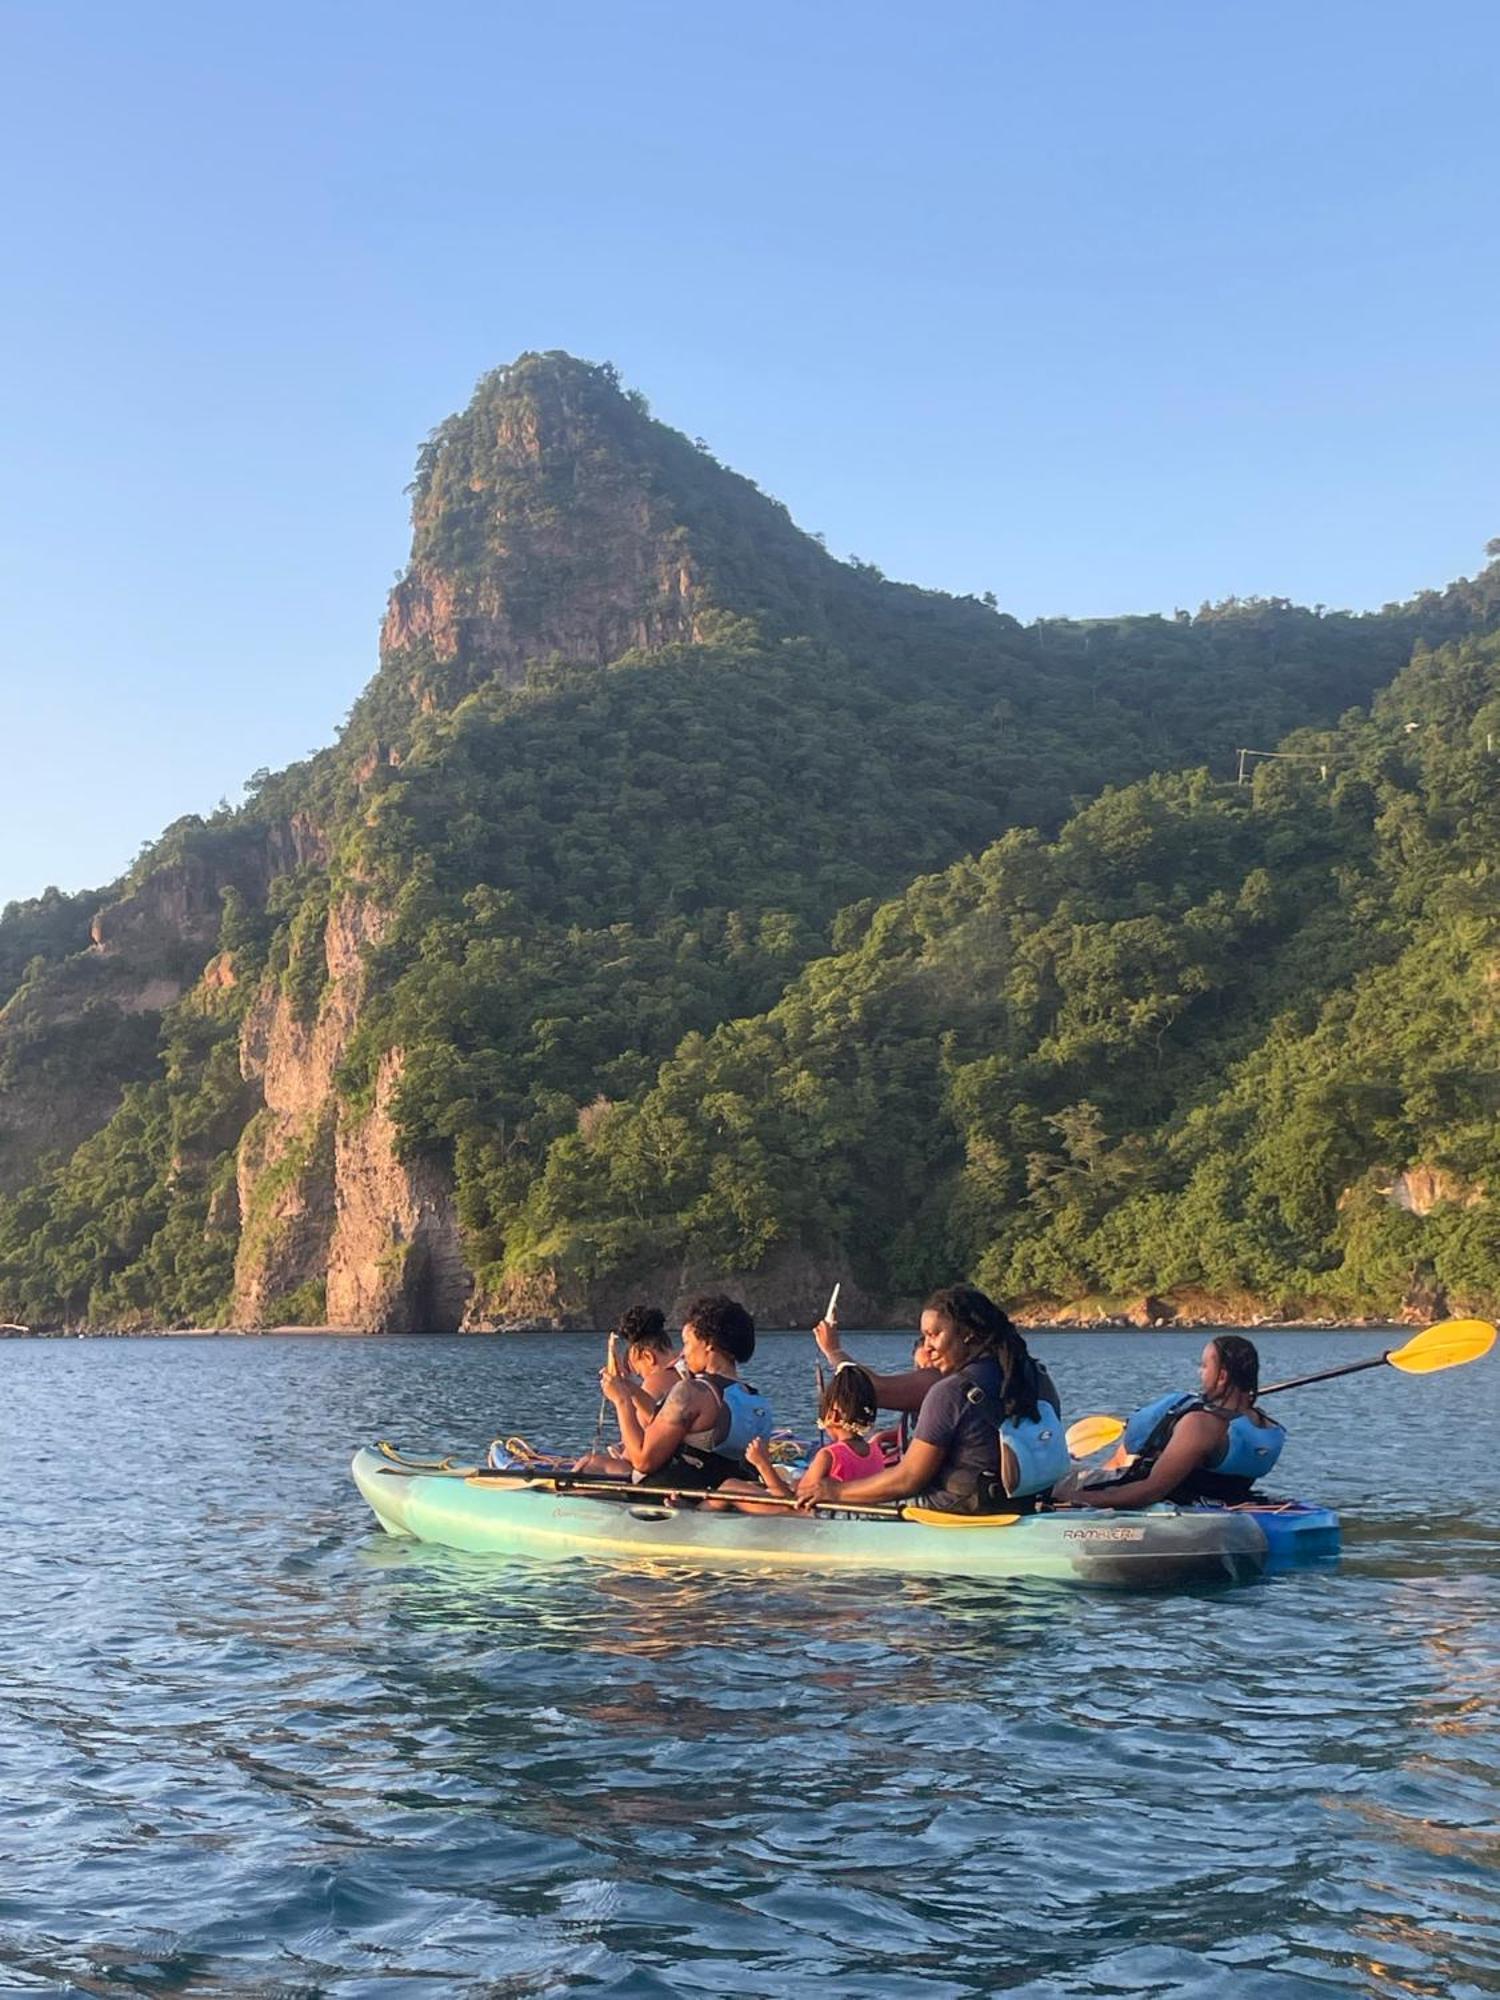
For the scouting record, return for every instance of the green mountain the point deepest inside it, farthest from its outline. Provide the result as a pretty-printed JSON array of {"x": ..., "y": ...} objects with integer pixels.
[
  {"x": 679, "y": 900},
  {"x": 1239, "y": 1045}
]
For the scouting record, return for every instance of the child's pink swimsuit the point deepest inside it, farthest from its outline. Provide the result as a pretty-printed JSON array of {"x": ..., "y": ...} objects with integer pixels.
[{"x": 844, "y": 1462}]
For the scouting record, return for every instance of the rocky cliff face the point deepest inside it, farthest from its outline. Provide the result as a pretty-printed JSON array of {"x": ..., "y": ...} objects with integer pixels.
[
  {"x": 534, "y": 535},
  {"x": 396, "y": 1261},
  {"x": 79, "y": 1030},
  {"x": 325, "y": 1202},
  {"x": 646, "y": 596}
]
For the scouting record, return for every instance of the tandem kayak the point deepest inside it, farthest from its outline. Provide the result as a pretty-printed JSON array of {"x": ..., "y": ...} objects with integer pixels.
[{"x": 1157, "y": 1548}]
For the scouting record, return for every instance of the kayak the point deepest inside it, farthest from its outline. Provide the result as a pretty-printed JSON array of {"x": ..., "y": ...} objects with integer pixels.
[{"x": 495, "y": 1513}]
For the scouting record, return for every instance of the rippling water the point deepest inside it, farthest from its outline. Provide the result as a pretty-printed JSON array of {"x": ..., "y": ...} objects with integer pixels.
[{"x": 251, "y": 1746}]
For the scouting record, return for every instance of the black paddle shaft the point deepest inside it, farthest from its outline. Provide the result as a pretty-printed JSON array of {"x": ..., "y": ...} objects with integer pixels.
[
  {"x": 624, "y": 1489},
  {"x": 1327, "y": 1374}
]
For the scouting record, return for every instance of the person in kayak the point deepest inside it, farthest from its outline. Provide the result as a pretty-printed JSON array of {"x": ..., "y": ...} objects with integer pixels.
[
  {"x": 650, "y": 1356},
  {"x": 641, "y": 1354},
  {"x": 698, "y": 1437},
  {"x": 847, "y": 1411},
  {"x": 1211, "y": 1446},
  {"x": 986, "y": 1436},
  {"x": 1035, "y": 1452},
  {"x": 901, "y": 1392}
]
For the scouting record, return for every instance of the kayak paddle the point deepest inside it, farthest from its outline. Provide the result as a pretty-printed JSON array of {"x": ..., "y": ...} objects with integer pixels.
[
  {"x": 1449, "y": 1344},
  {"x": 624, "y": 1489},
  {"x": 609, "y": 1363},
  {"x": 1091, "y": 1434}
]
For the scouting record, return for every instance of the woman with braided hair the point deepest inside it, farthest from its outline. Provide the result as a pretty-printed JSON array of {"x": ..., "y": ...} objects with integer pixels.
[
  {"x": 904, "y": 1391},
  {"x": 1210, "y": 1446},
  {"x": 988, "y": 1436}
]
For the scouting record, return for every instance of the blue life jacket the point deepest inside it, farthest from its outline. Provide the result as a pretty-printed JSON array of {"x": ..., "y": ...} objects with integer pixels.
[
  {"x": 1142, "y": 1422},
  {"x": 750, "y": 1417},
  {"x": 1039, "y": 1443},
  {"x": 1250, "y": 1449},
  {"x": 1041, "y": 1449}
]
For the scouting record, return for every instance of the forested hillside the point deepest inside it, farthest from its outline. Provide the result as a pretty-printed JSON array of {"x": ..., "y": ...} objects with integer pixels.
[
  {"x": 627, "y": 934},
  {"x": 1211, "y": 1040}
]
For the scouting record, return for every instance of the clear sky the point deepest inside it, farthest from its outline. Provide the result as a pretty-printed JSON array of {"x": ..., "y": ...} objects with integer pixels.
[{"x": 1104, "y": 305}]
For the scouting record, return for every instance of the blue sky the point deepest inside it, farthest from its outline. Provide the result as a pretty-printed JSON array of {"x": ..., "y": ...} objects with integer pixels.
[{"x": 1104, "y": 307}]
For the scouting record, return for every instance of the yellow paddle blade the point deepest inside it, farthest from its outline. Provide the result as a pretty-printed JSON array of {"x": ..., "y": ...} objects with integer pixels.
[
  {"x": 1092, "y": 1434},
  {"x": 933, "y": 1517},
  {"x": 1449, "y": 1344}
]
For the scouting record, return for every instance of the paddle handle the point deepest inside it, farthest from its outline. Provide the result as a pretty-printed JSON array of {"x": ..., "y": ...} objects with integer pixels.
[{"x": 609, "y": 1362}]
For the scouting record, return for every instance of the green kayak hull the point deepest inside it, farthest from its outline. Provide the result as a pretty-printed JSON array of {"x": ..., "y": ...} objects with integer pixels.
[{"x": 1158, "y": 1548}]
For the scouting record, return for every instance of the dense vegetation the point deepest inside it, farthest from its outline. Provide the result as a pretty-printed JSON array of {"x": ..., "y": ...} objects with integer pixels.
[
  {"x": 42, "y": 930},
  {"x": 654, "y": 997},
  {"x": 1191, "y": 1042}
]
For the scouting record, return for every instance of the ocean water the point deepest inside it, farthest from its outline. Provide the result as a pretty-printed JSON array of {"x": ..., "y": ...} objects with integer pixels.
[{"x": 249, "y": 1745}]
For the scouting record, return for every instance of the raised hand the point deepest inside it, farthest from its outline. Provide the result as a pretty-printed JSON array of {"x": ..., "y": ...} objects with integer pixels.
[{"x": 826, "y": 1334}]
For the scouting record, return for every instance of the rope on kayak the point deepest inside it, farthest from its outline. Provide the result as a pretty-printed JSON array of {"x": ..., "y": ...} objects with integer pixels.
[
  {"x": 525, "y": 1453},
  {"x": 398, "y": 1457},
  {"x": 785, "y": 1449}
]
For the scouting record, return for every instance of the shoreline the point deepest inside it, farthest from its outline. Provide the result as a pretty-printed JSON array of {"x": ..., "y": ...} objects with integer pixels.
[{"x": 1030, "y": 1326}]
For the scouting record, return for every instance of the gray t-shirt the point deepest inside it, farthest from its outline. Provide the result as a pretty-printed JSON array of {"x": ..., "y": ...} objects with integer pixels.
[{"x": 965, "y": 1432}]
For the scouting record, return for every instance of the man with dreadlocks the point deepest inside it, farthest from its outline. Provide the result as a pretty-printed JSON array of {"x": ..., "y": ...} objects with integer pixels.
[
  {"x": 988, "y": 1437},
  {"x": 1211, "y": 1446}
]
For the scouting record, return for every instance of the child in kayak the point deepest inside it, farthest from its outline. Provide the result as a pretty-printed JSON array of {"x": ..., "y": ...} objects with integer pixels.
[
  {"x": 904, "y": 1391},
  {"x": 847, "y": 1413},
  {"x": 988, "y": 1436}
]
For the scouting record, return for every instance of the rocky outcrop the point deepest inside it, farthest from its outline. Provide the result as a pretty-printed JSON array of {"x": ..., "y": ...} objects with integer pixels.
[
  {"x": 180, "y": 903},
  {"x": 649, "y": 598},
  {"x": 286, "y": 1157},
  {"x": 538, "y": 532},
  {"x": 325, "y": 1199},
  {"x": 1426, "y": 1298},
  {"x": 1151, "y": 1311},
  {"x": 71, "y": 1039},
  {"x": 74, "y": 1035},
  {"x": 395, "y": 1262},
  {"x": 284, "y": 1180},
  {"x": 294, "y": 1060},
  {"x": 1420, "y": 1189}
]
